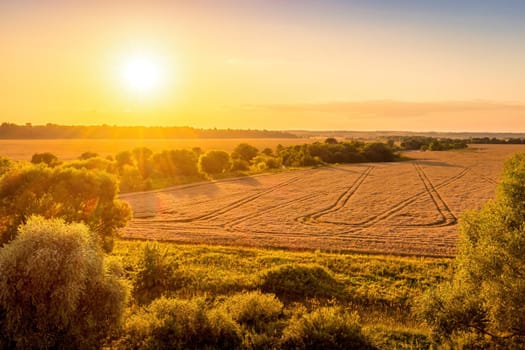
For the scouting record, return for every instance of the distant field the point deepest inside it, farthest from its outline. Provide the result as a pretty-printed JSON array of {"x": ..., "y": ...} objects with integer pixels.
[
  {"x": 67, "y": 149},
  {"x": 401, "y": 208}
]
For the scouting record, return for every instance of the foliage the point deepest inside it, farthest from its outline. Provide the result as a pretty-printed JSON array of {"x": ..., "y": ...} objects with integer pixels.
[
  {"x": 54, "y": 290},
  {"x": 179, "y": 324},
  {"x": 72, "y": 194},
  {"x": 176, "y": 162},
  {"x": 5, "y": 165},
  {"x": 335, "y": 152},
  {"x": 154, "y": 274},
  {"x": 295, "y": 282},
  {"x": 253, "y": 309},
  {"x": 486, "y": 295},
  {"x": 245, "y": 152},
  {"x": 325, "y": 328},
  {"x": 214, "y": 162},
  {"x": 46, "y": 157}
]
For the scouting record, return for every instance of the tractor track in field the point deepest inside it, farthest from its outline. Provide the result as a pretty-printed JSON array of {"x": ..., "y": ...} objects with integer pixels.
[
  {"x": 430, "y": 190},
  {"x": 340, "y": 202},
  {"x": 236, "y": 204}
]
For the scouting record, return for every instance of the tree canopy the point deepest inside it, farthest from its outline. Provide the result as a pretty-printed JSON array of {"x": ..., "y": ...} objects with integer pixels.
[{"x": 76, "y": 195}]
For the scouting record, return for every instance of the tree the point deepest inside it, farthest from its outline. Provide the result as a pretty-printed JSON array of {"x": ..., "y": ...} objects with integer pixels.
[
  {"x": 214, "y": 162},
  {"x": 179, "y": 162},
  {"x": 486, "y": 295},
  {"x": 331, "y": 141},
  {"x": 79, "y": 195},
  {"x": 55, "y": 291},
  {"x": 47, "y": 158},
  {"x": 245, "y": 152}
]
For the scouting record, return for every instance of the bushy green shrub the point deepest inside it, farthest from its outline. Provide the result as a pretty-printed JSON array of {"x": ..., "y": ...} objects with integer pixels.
[
  {"x": 179, "y": 324},
  {"x": 54, "y": 289},
  {"x": 325, "y": 328},
  {"x": 299, "y": 282}
]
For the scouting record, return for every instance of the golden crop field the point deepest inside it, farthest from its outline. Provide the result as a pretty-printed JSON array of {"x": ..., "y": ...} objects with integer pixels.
[
  {"x": 407, "y": 207},
  {"x": 67, "y": 149}
]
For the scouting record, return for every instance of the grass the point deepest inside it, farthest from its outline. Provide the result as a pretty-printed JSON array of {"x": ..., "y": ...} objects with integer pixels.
[{"x": 381, "y": 289}]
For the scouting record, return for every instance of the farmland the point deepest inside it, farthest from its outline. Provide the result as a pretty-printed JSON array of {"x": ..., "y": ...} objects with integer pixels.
[{"x": 407, "y": 207}]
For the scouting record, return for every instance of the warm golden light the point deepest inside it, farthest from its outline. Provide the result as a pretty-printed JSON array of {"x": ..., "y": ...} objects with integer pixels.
[{"x": 142, "y": 73}]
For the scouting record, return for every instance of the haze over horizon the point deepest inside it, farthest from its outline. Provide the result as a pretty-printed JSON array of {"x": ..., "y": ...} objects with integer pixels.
[{"x": 279, "y": 65}]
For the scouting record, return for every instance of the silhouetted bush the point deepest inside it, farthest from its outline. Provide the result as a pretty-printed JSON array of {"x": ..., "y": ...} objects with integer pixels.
[{"x": 54, "y": 290}]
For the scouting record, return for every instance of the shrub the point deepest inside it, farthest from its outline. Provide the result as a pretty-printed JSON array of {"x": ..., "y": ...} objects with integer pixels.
[
  {"x": 179, "y": 324},
  {"x": 240, "y": 165},
  {"x": 154, "y": 274},
  {"x": 214, "y": 162},
  {"x": 325, "y": 328},
  {"x": 54, "y": 290},
  {"x": 253, "y": 309},
  {"x": 298, "y": 282}
]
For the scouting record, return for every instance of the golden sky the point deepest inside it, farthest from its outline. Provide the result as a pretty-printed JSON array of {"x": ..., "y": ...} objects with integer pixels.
[{"x": 393, "y": 65}]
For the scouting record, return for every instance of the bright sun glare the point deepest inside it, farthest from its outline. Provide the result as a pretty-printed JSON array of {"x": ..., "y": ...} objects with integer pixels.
[{"x": 142, "y": 73}]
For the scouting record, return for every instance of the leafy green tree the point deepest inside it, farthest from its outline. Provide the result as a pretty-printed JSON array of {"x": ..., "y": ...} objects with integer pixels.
[
  {"x": 55, "y": 290},
  {"x": 47, "y": 158},
  {"x": 245, "y": 152},
  {"x": 214, "y": 162},
  {"x": 486, "y": 295},
  {"x": 76, "y": 195}
]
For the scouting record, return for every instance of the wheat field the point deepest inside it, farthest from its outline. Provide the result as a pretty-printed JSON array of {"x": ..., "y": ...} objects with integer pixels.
[{"x": 409, "y": 207}]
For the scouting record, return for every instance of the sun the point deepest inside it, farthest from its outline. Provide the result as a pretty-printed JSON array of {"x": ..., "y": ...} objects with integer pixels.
[{"x": 142, "y": 73}]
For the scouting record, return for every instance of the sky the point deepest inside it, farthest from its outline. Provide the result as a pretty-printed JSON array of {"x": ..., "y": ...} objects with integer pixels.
[{"x": 281, "y": 65}]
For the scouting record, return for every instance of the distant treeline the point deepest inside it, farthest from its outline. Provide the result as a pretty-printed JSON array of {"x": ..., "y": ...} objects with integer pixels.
[
  {"x": 424, "y": 143},
  {"x": 54, "y": 131},
  {"x": 493, "y": 140}
]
